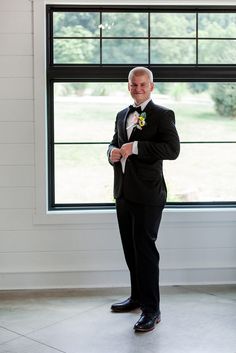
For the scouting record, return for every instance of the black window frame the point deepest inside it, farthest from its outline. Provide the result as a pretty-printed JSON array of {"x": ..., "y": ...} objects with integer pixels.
[{"x": 118, "y": 73}]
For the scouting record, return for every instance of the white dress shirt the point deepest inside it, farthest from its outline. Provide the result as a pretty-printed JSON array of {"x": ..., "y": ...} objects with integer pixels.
[{"x": 129, "y": 129}]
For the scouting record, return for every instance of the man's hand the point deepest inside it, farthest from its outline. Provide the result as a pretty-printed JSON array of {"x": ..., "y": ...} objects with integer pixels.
[
  {"x": 115, "y": 155},
  {"x": 127, "y": 149}
]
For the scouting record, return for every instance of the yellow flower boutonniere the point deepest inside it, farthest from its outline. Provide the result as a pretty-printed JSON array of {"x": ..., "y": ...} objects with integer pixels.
[
  {"x": 141, "y": 120},
  {"x": 138, "y": 121}
]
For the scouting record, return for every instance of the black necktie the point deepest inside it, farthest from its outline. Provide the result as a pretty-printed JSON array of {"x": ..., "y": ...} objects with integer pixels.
[{"x": 135, "y": 109}]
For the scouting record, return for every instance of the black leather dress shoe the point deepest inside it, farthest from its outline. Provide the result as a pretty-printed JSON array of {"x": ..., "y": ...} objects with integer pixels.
[
  {"x": 147, "y": 322},
  {"x": 125, "y": 306}
]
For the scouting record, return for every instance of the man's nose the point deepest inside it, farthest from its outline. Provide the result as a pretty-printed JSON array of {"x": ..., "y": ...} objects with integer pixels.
[{"x": 139, "y": 88}]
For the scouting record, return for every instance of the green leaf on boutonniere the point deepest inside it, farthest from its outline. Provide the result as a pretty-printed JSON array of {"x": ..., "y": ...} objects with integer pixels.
[{"x": 141, "y": 120}]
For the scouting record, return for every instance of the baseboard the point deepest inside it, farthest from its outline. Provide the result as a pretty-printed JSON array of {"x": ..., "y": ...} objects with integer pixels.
[{"x": 104, "y": 279}]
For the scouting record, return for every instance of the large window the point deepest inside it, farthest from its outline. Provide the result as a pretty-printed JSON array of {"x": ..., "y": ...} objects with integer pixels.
[{"x": 192, "y": 54}]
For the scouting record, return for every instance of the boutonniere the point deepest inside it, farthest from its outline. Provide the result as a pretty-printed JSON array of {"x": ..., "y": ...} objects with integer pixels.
[{"x": 138, "y": 120}]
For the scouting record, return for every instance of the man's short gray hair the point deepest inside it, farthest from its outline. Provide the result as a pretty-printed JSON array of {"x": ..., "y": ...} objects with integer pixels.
[{"x": 140, "y": 70}]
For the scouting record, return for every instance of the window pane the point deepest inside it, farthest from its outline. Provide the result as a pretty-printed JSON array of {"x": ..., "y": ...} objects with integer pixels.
[
  {"x": 85, "y": 112},
  {"x": 217, "y": 51},
  {"x": 204, "y": 111},
  {"x": 173, "y": 25},
  {"x": 207, "y": 174},
  {"x": 125, "y": 24},
  {"x": 76, "y": 24},
  {"x": 217, "y": 25},
  {"x": 170, "y": 51},
  {"x": 76, "y": 51},
  {"x": 125, "y": 51},
  {"x": 83, "y": 174}
]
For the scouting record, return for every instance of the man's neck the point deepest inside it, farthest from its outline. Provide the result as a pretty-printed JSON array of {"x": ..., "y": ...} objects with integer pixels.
[{"x": 143, "y": 104}]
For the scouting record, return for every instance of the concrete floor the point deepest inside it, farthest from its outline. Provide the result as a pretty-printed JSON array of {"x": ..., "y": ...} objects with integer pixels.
[{"x": 195, "y": 319}]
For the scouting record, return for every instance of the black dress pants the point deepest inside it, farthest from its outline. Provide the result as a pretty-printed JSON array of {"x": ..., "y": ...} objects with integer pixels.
[{"x": 138, "y": 225}]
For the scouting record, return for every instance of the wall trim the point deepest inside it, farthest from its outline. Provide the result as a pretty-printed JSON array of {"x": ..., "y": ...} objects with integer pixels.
[{"x": 113, "y": 279}]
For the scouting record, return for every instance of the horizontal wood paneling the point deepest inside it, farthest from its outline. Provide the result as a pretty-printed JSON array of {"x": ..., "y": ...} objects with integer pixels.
[
  {"x": 16, "y": 219},
  {"x": 16, "y": 110},
  {"x": 15, "y": 5},
  {"x": 112, "y": 260},
  {"x": 15, "y": 22},
  {"x": 71, "y": 261},
  {"x": 16, "y": 44},
  {"x": 51, "y": 239},
  {"x": 11, "y": 176},
  {"x": 199, "y": 236},
  {"x": 188, "y": 276},
  {"x": 15, "y": 132},
  {"x": 16, "y": 198},
  {"x": 198, "y": 258},
  {"x": 16, "y": 66},
  {"x": 16, "y": 154},
  {"x": 24, "y": 220},
  {"x": 16, "y": 88},
  {"x": 63, "y": 279}
]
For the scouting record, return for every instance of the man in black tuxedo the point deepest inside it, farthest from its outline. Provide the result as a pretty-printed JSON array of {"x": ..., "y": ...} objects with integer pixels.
[{"x": 145, "y": 135}]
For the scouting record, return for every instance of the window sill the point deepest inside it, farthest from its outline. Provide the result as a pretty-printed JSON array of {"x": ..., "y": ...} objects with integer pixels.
[{"x": 108, "y": 216}]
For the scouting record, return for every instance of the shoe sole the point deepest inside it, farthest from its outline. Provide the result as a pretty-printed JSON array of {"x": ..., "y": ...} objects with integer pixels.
[{"x": 150, "y": 329}]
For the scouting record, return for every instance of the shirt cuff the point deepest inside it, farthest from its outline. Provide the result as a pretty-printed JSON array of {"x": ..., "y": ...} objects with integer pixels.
[
  {"x": 109, "y": 154},
  {"x": 135, "y": 147}
]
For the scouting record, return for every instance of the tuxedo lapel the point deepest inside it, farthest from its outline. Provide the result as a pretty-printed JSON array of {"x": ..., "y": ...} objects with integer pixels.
[
  {"x": 149, "y": 107},
  {"x": 133, "y": 132},
  {"x": 124, "y": 130}
]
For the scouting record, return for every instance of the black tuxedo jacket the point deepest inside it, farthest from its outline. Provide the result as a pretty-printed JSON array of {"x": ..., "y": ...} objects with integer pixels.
[{"x": 143, "y": 180}]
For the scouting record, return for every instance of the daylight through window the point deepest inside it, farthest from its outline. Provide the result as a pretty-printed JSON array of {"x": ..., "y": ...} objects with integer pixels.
[{"x": 192, "y": 54}]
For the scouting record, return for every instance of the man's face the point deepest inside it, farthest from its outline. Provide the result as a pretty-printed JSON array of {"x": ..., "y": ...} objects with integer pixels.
[{"x": 140, "y": 88}]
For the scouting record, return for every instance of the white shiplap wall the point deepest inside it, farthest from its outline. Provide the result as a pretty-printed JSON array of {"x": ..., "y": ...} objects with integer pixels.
[{"x": 196, "y": 246}]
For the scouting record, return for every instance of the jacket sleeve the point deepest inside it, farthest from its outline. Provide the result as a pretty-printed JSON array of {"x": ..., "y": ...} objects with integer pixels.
[
  {"x": 113, "y": 144},
  {"x": 166, "y": 145}
]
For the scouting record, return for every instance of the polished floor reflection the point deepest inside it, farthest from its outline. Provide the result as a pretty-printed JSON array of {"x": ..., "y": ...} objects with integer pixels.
[{"x": 195, "y": 319}]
